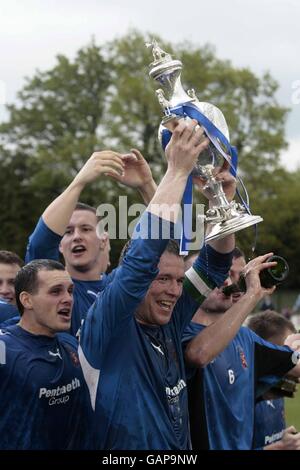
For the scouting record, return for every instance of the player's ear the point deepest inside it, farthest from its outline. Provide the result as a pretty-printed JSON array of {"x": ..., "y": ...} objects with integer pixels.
[{"x": 26, "y": 300}]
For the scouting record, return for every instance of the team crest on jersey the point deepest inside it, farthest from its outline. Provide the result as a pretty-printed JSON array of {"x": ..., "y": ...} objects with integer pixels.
[
  {"x": 243, "y": 358},
  {"x": 74, "y": 357}
]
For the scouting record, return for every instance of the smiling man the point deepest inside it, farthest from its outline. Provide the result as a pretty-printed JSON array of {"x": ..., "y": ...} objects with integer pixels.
[
  {"x": 130, "y": 346},
  {"x": 44, "y": 400},
  {"x": 165, "y": 290}
]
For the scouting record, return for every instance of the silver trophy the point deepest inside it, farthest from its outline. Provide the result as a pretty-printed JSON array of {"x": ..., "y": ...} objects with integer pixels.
[{"x": 223, "y": 217}]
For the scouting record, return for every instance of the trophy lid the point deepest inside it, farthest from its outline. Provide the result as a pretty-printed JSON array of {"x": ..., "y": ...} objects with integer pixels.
[
  {"x": 163, "y": 61},
  {"x": 166, "y": 71}
]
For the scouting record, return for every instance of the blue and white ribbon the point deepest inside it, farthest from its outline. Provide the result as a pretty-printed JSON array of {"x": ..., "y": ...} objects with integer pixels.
[{"x": 215, "y": 136}]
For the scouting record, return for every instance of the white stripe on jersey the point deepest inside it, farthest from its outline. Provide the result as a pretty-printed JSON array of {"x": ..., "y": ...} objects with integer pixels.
[
  {"x": 91, "y": 376},
  {"x": 198, "y": 282}
]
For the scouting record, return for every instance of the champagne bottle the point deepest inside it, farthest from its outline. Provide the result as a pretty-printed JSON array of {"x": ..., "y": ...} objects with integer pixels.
[
  {"x": 286, "y": 387},
  {"x": 269, "y": 277}
]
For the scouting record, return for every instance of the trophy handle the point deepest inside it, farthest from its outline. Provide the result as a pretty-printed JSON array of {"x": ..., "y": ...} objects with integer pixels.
[{"x": 171, "y": 122}]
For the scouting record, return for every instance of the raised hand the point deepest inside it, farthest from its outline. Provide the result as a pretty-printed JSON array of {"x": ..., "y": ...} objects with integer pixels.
[
  {"x": 251, "y": 274},
  {"x": 137, "y": 172},
  {"x": 186, "y": 143},
  {"x": 100, "y": 163},
  {"x": 293, "y": 341}
]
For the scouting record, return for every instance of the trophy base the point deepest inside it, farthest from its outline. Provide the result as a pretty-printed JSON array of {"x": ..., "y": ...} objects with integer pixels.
[{"x": 222, "y": 229}]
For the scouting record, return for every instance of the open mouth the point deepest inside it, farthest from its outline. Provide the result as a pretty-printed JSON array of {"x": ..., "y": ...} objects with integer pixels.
[
  {"x": 65, "y": 313},
  {"x": 78, "y": 249},
  {"x": 165, "y": 305}
]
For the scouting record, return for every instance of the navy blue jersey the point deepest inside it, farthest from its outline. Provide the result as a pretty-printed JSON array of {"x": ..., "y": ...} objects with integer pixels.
[
  {"x": 10, "y": 321},
  {"x": 269, "y": 422},
  {"x": 43, "y": 244},
  {"x": 222, "y": 394},
  {"x": 44, "y": 399},
  {"x": 135, "y": 372},
  {"x": 7, "y": 311}
]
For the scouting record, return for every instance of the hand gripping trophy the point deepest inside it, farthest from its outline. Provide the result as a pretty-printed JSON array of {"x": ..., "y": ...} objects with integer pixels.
[{"x": 224, "y": 217}]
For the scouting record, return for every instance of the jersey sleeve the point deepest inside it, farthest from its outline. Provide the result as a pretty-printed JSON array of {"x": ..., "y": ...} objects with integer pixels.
[
  {"x": 43, "y": 243},
  {"x": 191, "y": 330},
  {"x": 10, "y": 321},
  {"x": 271, "y": 361},
  {"x": 114, "y": 308},
  {"x": 209, "y": 271},
  {"x": 7, "y": 311}
]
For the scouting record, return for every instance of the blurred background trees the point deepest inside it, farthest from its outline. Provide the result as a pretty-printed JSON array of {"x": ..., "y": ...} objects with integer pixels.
[{"x": 104, "y": 98}]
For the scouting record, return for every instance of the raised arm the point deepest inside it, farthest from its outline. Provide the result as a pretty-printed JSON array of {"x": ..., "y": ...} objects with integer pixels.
[
  {"x": 44, "y": 241},
  {"x": 116, "y": 305},
  {"x": 58, "y": 213},
  {"x": 213, "y": 339},
  {"x": 137, "y": 175},
  {"x": 181, "y": 152}
]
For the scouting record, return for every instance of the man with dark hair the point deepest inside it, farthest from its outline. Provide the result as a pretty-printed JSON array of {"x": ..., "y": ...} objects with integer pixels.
[
  {"x": 229, "y": 362},
  {"x": 271, "y": 326},
  {"x": 270, "y": 432},
  {"x": 130, "y": 345},
  {"x": 44, "y": 400},
  {"x": 238, "y": 264},
  {"x": 238, "y": 253},
  {"x": 28, "y": 279},
  {"x": 172, "y": 247},
  {"x": 10, "y": 263},
  {"x": 71, "y": 227}
]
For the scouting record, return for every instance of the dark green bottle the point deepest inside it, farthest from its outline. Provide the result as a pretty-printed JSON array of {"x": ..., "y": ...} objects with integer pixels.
[{"x": 268, "y": 277}]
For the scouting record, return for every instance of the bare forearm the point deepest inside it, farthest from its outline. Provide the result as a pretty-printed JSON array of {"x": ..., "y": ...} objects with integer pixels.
[
  {"x": 58, "y": 213},
  {"x": 166, "y": 201},
  {"x": 216, "y": 337},
  {"x": 147, "y": 192},
  {"x": 181, "y": 152}
]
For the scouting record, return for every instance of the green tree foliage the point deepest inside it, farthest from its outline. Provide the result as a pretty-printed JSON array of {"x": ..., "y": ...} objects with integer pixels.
[{"x": 104, "y": 98}]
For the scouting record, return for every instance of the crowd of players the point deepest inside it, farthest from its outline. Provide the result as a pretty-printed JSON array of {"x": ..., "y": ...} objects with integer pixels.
[{"x": 152, "y": 355}]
